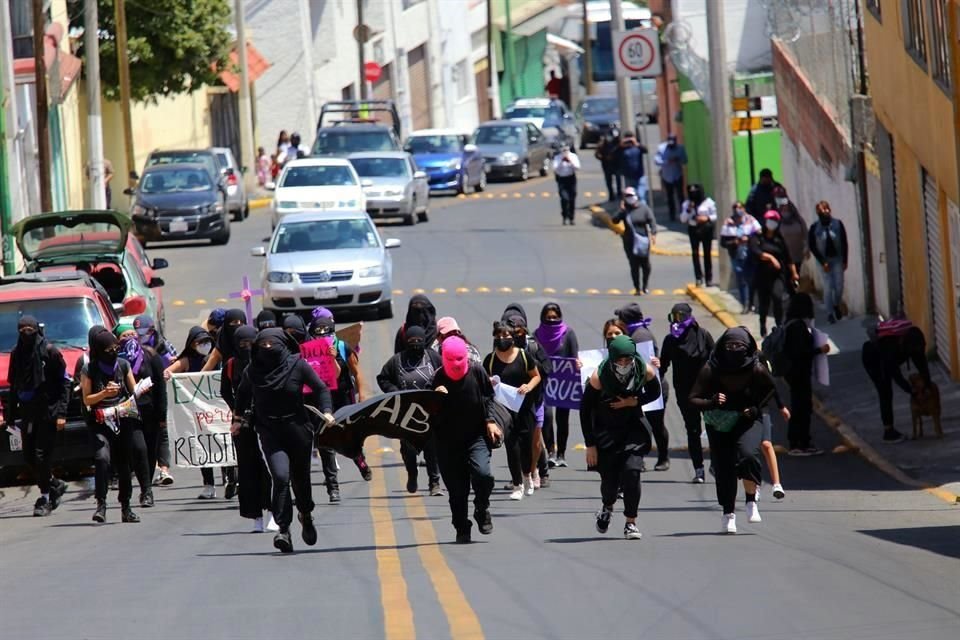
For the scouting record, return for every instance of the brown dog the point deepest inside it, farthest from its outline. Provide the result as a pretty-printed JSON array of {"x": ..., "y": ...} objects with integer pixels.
[{"x": 924, "y": 401}]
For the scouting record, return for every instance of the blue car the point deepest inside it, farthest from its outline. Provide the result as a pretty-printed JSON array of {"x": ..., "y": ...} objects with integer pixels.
[{"x": 449, "y": 160}]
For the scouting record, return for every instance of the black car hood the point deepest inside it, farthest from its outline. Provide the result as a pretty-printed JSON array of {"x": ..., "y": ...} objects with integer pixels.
[{"x": 177, "y": 199}]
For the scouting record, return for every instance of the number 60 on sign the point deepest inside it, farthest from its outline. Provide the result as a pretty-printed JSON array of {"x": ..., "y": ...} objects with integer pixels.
[{"x": 637, "y": 53}]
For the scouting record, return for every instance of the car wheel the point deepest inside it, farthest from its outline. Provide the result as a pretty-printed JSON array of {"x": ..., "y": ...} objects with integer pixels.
[
  {"x": 385, "y": 310},
  {"x": 525, "y": 171},
  {"x": 246, "y": 211},
  {"x": 423, "y": 216},
  {"x": 221, "y": 239},
  {"x": 237, "y": 215},
  {"x": 545, "y": 167},
  {"x": 482, "y": 185}
]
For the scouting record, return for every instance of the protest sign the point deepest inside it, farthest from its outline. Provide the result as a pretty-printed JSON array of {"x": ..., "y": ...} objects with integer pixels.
[
  {"x": 317, "y": 354},
  {"x": 591, "y": 362},
  {"x": 647, "y": 352},
  {"x": 507, "y": 395},
  {"x": 198, "y": 421},
  {"x": 563, "y": 387}
]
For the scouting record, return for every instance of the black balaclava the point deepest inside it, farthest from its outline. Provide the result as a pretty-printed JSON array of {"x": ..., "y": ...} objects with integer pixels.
[
  {"x": 225, "y": 339},
  {"x": 266, "y": 320},
  {"x": 322, "y": 327},
  {"x": 295, "y": 327},
  {"x": 242, "y": 354},
  {"x": 513, "y": 309},
  {"x": 103, "y": 352},
  {"x": 272, "y": 359},
  {"x": 422, "y": 313},
  {"x": 735, "y": 351},
  {"x": 29, "y": 351},
  {"x": 518, "y": 322},
  {"x": 416, "y": 343}
]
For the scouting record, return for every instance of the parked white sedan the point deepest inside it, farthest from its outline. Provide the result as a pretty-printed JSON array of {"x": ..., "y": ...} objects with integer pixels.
[
  {"x": 316, "y": 184},
  {"x": 393, "y": 185}
]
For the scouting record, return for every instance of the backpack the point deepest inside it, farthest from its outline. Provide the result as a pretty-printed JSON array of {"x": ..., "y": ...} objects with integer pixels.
[
  {"x": 773, "y": 349},
  {"x": 523, "y": 354}
]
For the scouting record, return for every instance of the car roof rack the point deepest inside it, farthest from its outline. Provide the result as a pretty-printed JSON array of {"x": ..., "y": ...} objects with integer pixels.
[
  {"x": 360, "y": 112},
  {"x": 81, "y": 278}
]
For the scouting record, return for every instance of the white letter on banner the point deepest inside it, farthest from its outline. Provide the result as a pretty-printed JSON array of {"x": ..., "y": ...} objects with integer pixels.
[
  {"x": 394, "y": 410},
  {"x": 421, "y": 419}
]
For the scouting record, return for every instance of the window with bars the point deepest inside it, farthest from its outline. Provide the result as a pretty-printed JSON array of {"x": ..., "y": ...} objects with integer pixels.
[
  {"x": 874, "y": 7},
  {"x": 940, "y": 51},
  {"x": 914, "y": 37},
  {"x": 21, "y": 25}
]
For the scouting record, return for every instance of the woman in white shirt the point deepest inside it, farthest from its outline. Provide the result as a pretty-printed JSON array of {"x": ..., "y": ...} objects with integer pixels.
[{"x": 700, "y": 215}]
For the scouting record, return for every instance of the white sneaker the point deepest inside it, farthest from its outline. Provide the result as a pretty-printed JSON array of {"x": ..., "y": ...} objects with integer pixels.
[
  {"x": 517, "y": 493},
  {"x": 778, "y": 491},
  {"x": 729, "y": 523},
  {"x": 272, "y": 525},
  {"x": 528, "y": 485},
  {"x": 753, "y": 512},
  {"x": 536, "y": 479},
  {"x": 209, "y": 492},
  {"x": 257, "y": 526}
]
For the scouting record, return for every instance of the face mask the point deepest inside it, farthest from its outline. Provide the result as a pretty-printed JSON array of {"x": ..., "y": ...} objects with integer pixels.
[
  {"x": 737, "y": 214},
  {"x": 28, "y": 339},
  {"x": 772, "y": 225},
  {"x": 631, "y": 200},
  {"x": 824, "y": 217},
  {"x": 204, "y": 348},
  {"x": 520, "y": 341},
  {"x": 782, "y": 202},
  {"x": 416, "y": 348},
  {"x": 504, "y": 344},
  {"x": 624, "y": 369},
  {"x": 148, "y": 340},
  {"x": 553, "y": 321}
]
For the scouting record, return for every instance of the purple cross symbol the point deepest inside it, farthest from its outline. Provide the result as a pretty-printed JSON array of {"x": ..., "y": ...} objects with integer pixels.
[{"x": 247, "y": 294}]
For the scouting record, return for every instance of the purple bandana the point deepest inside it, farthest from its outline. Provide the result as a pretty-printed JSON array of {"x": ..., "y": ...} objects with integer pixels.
[
  {"x": 645, "y": 323},
  {"x": 550, "y": 336},
  {"x": 131, "y": 351},
  {"x": 677, "y": 329}
]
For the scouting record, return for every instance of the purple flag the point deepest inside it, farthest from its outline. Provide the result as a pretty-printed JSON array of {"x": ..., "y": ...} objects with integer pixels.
[{"x": 564, "y": 388}]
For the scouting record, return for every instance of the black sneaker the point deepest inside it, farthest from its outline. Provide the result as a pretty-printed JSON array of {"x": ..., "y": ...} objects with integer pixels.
[
  {"x": 366, "y": 472},
  {"x": 334, "y": 495},
  {"x": 42, "y": 507},
  {"x": 282, "y": 542},
  {"x": 435, "y": 489},
  {"x": 463, "y": 537},
  {"x": 57, "y": 490},
  {"x": 309, "y": 531},
  {"x": 662, "y": 465},
  {"x": 129, "y": 515},
  {"x": 230, "y": 492},
  {"x": 412, "y": 485},
  {"x": 631, "y": 531},
  {"x": 146, "y": 499},
  {"x": 603, "y": 519},
  {"x": 892, "y": 436},
  {"x": 484, "y": 521},
  {"x": 100, "y": 515}
]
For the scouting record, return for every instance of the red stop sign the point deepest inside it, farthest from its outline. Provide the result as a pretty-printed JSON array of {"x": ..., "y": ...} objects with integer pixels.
[{"x": 372, "y": 71}]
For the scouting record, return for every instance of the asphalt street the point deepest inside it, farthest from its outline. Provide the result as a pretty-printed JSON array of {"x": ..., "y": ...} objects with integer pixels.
[{"x": 848, "y": 554}]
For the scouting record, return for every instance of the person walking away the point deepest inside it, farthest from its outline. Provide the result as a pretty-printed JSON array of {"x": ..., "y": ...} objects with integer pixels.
[
  {"x": 447, "y": 327},
  {"x": 699, "y": 213},
  {"x": 799, "y": 350},
  {"x": 559, "y": 340},
  {"x": 565, "y": 167},
  {"x": 671, "y": 158},
  {"x": 735, "y": 238},
  {"x": 466, "y": 432},
  {"x": 792, "y": 226},
  {"x": 414, "y": 368},
  {"x": 146, "y": 364},
  {"x": 687, "y": 348},
  {"x": 775, "y": 273},
  {"x": 608, "y": 153},
  {"x": 761, "y": 199},
  {"x": 272, "y": 388},
  {"x": 38, "y": 398},
  {"x": 631, "y": 164},
  {"x": 732, "y": 389},
  {"x": 611, "y": 418},
  {"x": 897, "y": 342},
  {"x": 422, "y": 313},
  {"x": 639, "y": 236},
  {"x": 106, "y": 381},
  {"x": 827, "y": 241}
]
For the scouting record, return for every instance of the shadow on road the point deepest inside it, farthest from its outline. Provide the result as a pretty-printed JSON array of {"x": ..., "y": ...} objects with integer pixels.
[{"x": 939, "y": 540}]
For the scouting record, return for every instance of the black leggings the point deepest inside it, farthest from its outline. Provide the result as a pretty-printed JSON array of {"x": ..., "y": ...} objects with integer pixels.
[
  {"x": 882, "y": 380},
  {"x": 328, "y": 462},
  {"x": 563, "y": 430},
  {"x": 287, "y": 447},
  {"x": 39, "y": 441},
  {"x": 254, "y": 489},
  {"x": 639, "y": 264},
  {"x": 801, "y": 410},
  {"x": 518, "y": 445},
  {"x": 660, "y": 434},
  {"x": 694, "y": 427},
  {"x": 122, "y": 452},
  {"x": 735, "y": 455},
  {"x": 464, "y": 465},
  {"x": 620, "y": 471},
  {"x": 151, "y": 437},
  {"x": 227, "y": 474},
  {"x": 770, "y": 294},
  {"x": 700, "y": 238},
  {"x": 409, "y": 454}
]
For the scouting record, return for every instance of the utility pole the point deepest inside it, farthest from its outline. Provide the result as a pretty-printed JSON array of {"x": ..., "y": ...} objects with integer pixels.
[
  {"x": 246, "y": 109},
  {"x": 720, "y": 114},
  {"x": 509, "y": 54},
  {"x": 866, "y": 236},
  {"x": 43, "y": 115},
  {"x": 91, "y": 46},
  {"x": 123, "y": 74},
  {"x": 587, "y": 53},
  {"x": 361, "y": 43},
  {"x": 624, "y": 95},
  {"x": 9, "y": 159}
]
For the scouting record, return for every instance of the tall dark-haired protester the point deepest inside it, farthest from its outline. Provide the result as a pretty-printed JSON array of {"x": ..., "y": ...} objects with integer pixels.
[{"x": 557, "y": 340}]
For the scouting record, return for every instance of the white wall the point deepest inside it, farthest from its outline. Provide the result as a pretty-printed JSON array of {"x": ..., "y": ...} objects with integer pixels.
[
  {"x": 747, "y": 44},
  {"x": 456, "y": 26}
]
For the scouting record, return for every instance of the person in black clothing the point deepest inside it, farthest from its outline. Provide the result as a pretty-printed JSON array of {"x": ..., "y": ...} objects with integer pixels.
[
  {"x": 775, "y": 272},
  {"x": 146, "y": 364},
  {"x": 732, "y": 390},
  {"x": 38, "y": 397},
  {"x": 640, "y": 234},
  {"x": 556, "y": 339},
  {"x": 324, "y": 327},
  {"x": 252, "y": 475},
  {"x": 760, "y": 199},
  {"x": 800, "y": 349},
  {"x": 106, "y": 381},
  {"x": 882, "y": 358},
  {"x": 414, "y": 368},
  {"x": 266, "y": 319},
  {"x": 638, "y": 328},
  {"x": 420, "y": 313},
  {"x": 608, "y": 153},
  {"x": 687, "y": 347},
  {"x": 827, "y": 241},
  {"x": 272, "y": 388},
  {"x": 296, "y": 328},
  {"x": 467, "y": 428},
  {"x": 611, "y": 417}
]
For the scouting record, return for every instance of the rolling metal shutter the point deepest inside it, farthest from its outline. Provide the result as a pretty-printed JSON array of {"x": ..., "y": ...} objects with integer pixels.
[
  {"x": 938, "y": 281},
  {"x": 419, "y": 87}
]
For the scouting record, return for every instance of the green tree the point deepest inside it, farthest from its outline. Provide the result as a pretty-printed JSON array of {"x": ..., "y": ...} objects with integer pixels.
[{"x": 175, "y": 46}]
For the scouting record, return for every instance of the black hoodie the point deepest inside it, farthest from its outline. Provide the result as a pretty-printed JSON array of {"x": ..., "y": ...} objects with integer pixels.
[
  {"x": 37, "y": 370},
  {"x": 422, "y": 313}
]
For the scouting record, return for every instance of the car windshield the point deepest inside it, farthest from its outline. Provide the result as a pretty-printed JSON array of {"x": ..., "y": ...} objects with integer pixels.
[
  {"x": 604, "y": 106},
  {"x": 381, "y": 167},
  {"x": 346, "y": 141},
  {"x": 171, "y": 181},
  {"x": 532, "y": 112},
  {"x": 181, "y": 157},
  {"x": 434, "y": 144},
  {"x": 324, "y": 235},
  {"x": 66, "y": 320},
  {"x": 318, "y": 176},
  {"x": 85, "y": 238},
  {"x": 500, "y": 135}
]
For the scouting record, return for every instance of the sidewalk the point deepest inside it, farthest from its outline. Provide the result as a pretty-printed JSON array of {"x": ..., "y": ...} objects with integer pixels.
[{"x": 849, "y": 405}]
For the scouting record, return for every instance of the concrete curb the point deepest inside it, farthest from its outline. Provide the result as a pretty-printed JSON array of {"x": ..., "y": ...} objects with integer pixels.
[
  {"x": 259, "y": 203},
  {"x": 599, "y": 213},
  {"x": 847, "y": 434}
]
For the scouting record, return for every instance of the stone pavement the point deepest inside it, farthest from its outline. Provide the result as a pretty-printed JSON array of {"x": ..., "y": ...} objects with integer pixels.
[{"x": 850, "y": 406}]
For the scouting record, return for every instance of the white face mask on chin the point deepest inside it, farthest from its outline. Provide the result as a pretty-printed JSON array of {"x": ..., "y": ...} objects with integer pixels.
[
  {"x": 772, "y": 225},
  {"x": 204, "y": 349}
]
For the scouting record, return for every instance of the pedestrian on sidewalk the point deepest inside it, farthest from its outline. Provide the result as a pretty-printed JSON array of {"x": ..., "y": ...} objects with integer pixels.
[
  {"x": 631, "y": 164},
  {"x": 775, "y": 272},
  {"x": 639, "y": 236},
  {"x": 565, "y": 167},
  {"x": 896, "y": 343},
  {"x": 38, "y": 396},
  {"x": 608, "y": 153},
  {"x": 793, "y": 227},
  {"x": 828, "y": 243},
  {"x": 557, "y": 340},
  {"x": 731, "y": 390},
  {"x": 687, "y": 347},
  {"x": 671, "y": 157},
  {"x": 467, "y": 431},
  {"x": 761, "y": 199},
  {"x": 611, "y": 417},
  {"x": 735, "y": 238},
  {"x": 800, "y": 349},
  {"x": 700, "y": 215},
  {"x": 263, "y": 167}
]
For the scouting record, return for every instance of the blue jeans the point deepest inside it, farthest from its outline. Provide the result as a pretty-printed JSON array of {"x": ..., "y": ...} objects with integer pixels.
[{"x": 832, "y": 284}]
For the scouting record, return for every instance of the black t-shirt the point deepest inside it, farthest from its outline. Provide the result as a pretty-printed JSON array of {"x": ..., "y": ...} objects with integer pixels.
[
  {"x": 775, "y": 246},
  {"x": 99, "y": 381},
  {"x": 514, "y": 373}
]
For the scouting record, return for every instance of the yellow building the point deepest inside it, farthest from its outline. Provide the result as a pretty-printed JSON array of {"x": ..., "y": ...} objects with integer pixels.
[{"x": 911, "y": 61}]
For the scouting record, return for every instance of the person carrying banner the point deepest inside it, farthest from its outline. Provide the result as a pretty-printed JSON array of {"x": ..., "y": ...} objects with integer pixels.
[
  {"x": 611, "y": 417},
  {"x": 38, "y": 397},
  {"x": 557, "y": 340},
  {"x": 467, "y": 430},
  {"x": 414, "y": 368},
  {"x": 107, "y": 387},
  {"x": 272, "y": 388}
]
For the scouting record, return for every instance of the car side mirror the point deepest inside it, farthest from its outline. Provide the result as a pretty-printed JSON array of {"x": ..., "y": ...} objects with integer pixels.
[
  {"x": 134, "y": 306},
  {"x": 470, "y": 148},
  {"x": 419, "y": 175},
  {"x": 128, "y": 191},
  {"x": 534, "y": 139},
  {"x": 270, "y": 186},
  {"x": 258, "y": 252},
  {"x": 392, "y": 243},
  {"x": 160, "y": 263},
  {"x": 366, "y": 182},
  {"x": 156, "y": 283}
]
